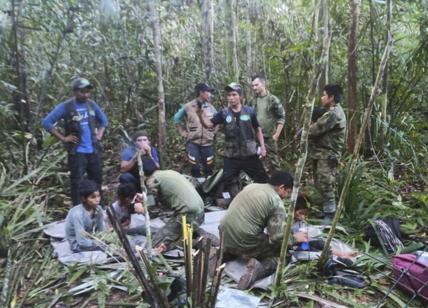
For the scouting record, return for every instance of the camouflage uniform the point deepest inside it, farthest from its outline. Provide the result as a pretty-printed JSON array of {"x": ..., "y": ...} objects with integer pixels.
[
  {"x": 176, "y": 193},
  {"x": 256, "y": 207},
  {"x": 326, "y": 143},
  {"x": 270, "y": 113}
]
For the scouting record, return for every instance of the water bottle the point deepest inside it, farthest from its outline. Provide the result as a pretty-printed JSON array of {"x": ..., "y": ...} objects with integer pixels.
[{"x": 304, "y": 246}]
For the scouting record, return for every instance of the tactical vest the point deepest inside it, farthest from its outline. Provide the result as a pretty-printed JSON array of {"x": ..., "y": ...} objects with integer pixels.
[
  {"x": 239, "y": 141},
  {"x": 196, "y": 132},
  {"x": 72, "y": 124}
]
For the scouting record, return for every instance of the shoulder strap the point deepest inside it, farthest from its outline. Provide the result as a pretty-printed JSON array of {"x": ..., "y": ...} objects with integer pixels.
[{"x": 69, "y": 106}]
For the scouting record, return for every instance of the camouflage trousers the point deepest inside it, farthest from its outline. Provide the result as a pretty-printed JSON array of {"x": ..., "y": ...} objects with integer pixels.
[
  {"x": 325, "y": 173},
  {"x": 271, "y": 161},
  {"x": 172, "y": 231},
  {"x": 261, "y": 249}
]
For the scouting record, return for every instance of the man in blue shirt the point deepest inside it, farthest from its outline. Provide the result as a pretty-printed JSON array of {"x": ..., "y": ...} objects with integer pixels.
[
  {"x": 84, "y": 126},
  {"x": 129, "y": 164}
]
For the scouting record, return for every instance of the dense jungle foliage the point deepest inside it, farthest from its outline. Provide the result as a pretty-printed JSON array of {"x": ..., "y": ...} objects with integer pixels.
[{"x": 44, "y": 44}]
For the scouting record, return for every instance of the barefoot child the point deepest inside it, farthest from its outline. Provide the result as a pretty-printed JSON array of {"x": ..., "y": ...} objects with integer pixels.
[{"x": 87, "y": 217}]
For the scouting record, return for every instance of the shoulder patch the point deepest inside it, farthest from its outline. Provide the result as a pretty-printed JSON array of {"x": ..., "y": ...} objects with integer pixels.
[{"x": 244, "y": 117}]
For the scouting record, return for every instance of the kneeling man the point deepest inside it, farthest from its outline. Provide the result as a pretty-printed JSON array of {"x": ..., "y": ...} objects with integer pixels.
[
  {"x": 174, "y": 192},
  {"x": 256, "y": 208}
]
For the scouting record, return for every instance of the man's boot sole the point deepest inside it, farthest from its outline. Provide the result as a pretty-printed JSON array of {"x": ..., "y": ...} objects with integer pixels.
[{"x": 246, "y": 280}]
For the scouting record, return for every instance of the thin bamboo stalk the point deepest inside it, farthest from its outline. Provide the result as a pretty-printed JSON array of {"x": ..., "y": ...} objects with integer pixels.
[
  {"x": 146, "y": 209},
  {"x": 149, "y": 294},
  {"x": 153, "y": 277},
  {"x": 204, "y": 268},
  {"x": 356, "y": 154},
  {"x": 215, "y": 286},
  {"x": 309, "y": 106},
  {"x": 196, "y": 278},
  {"x": 187, "y": 247}
]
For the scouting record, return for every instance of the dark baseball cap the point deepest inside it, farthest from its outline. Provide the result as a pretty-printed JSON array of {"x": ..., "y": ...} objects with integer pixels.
[
  {"x": 81, "y": 83},
  {"x": 202, "y": 87},
  {"x": 234, "y": 87}
]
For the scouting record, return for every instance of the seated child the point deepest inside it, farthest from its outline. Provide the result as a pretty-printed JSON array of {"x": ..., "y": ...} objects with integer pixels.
[
  {"x": 87, "y": 217},
  {"x": 317, "y": 244},
  {"x": 128, "y": 202}
]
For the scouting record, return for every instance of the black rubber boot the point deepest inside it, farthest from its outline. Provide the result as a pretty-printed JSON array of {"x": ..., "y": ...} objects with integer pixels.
[{"x": 328, "y": 218}]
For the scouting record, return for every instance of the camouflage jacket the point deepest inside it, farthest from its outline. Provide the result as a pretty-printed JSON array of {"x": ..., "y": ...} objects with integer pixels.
[
  {"x": 175, "y": 192},
  {"x": 270, "y": 112},
  {"x": 327, "y": 134},
  {"x": 256, "y": 207}
]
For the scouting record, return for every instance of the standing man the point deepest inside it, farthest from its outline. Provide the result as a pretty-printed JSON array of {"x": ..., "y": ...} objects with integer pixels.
[
  {"x": 326, "y": 143},
  {"x": 84, "y": 126},
  {"x": 242, "y": 133},
  {"x": 199, "y": 139},
  {"x": 129, "y": 169},
  {"x": 271, "y": 116}
]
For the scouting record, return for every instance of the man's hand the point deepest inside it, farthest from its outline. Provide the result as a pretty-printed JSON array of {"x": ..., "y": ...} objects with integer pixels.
[
  {"x": 262, "y": 152},
  {"x": 126, "y": 223},
  {"x": 301, "y": 237},
  {"x": 275, "y": 137},
  {"x": 139, "y": 208},
  {"x": 100, "y": 133},
  {"x": 145, "y": 149},
  {"x": 71, "y": 138}
]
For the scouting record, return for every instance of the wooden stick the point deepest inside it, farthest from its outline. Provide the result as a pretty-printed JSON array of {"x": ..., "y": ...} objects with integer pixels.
[
  {"x": 148, "y": 294},
  {"x": 153, "y": 277},
  {"x": 204, "y": 269},
  {"x": 215, "y": 286},
  {"x": 324, "y": 255},
  {"x": 302, "y": 159},
  {"x": 146, "y": 209},
  {"x": 196, "y": 277}
]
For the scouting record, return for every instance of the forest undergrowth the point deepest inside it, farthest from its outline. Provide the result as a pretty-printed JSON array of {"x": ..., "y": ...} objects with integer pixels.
[{"x": 32, "y": 276}]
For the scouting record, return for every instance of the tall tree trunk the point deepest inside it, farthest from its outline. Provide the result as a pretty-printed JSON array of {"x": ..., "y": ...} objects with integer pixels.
[
  {"x": 355, "y": 155},
  {"x": 208, "y": 36},
  {"x": 248, "y": 43},
  {"x": 308, "y": 108},
  {"x": 233, "y": 43},
  {"x": 326, "y": 29},
  {"x": 384, "y": 106},
  {"x": 352, "y": 74},
  {"x": 20, "y": 96},
  {"x": 43, "y": 92},
  {"x": 154, "y": 18},
  {"x": 316, "y": 19}
]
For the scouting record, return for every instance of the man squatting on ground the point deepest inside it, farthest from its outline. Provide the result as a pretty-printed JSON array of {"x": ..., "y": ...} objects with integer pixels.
[
  {"x": 85, "y": 218},
  {"x": 271, "y": 116},
  {"x": 242, "y": 132},
  {"x": 84, "y": 126},
  {"x": 129, "y": 165},
  {"x": 256, "y": 207},
  {"x": 199, "y": 139},
  {"x": 326, "y": 144},
  {"x": 174, "y": 192}
]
